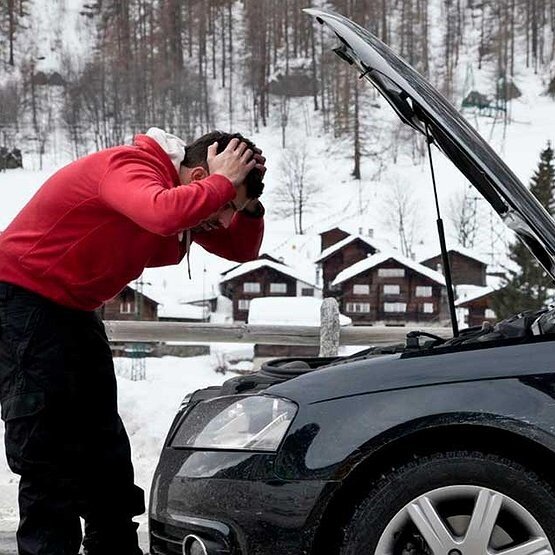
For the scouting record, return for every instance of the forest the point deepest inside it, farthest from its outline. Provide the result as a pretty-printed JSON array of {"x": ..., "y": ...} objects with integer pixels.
[{"x": 190, "y": 66}]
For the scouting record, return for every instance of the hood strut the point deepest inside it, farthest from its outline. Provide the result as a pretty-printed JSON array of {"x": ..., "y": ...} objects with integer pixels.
[{"x": 441, "y": 232}]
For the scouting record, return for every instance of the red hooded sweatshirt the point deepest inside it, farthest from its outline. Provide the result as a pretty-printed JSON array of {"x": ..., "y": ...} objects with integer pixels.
[{"x": 98, "y": 222}]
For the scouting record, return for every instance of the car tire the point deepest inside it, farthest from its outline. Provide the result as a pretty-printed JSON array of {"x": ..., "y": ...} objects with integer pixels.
[{"x": 450, "y": 488}]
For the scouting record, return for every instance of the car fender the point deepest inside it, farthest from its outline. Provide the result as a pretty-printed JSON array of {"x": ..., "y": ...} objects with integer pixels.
[{"x": 329, "y": 438}]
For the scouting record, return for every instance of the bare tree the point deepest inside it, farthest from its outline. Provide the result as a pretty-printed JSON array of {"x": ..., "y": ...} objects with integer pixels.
[
  {"x": 400, "y": 211},
  {"x": 297, "y": 195},
  {"x": 463, "y": 216}
]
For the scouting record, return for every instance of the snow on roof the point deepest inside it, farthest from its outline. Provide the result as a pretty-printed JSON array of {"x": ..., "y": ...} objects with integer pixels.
[
  {"x": 461, "y": 250},
  {"x": 147, "y": 294},
  {"x": 256, "y": 264},
  {"x": 182, "y": 310},
  {"x": 288, "y": 311},
  {"x": 378, "y": 258},
  {"x": 468, "y": 293},
  {"x": 169, "y": 305},
  {"x": 340, "y": 244}
]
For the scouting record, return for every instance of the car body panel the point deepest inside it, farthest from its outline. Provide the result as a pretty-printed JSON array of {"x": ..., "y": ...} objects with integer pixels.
[
  {"x": 390, "y": 372},
  {"x": 235, "y": 499},
  {"x": 420, "y": 105},
  {"x": 338, "y": 434},
  {"x": 272, "y": 503}
]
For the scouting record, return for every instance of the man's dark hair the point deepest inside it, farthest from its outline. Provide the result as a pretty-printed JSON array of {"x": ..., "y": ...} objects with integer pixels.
[{"x": 197, "y": 151}]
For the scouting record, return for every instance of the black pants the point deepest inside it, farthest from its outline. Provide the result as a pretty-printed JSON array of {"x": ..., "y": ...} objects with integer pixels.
[{"x": 63, "y": 434}]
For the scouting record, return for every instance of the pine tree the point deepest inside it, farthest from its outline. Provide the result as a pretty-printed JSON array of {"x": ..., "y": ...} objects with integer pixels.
[{"x": 528, "y": 287}]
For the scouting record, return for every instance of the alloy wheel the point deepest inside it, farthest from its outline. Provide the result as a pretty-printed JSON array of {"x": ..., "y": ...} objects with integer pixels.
[{"x": 463, "y": 520}]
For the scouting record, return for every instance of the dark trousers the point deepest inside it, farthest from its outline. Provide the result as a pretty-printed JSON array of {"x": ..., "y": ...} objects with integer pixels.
[{"x": 63, "y": 434}]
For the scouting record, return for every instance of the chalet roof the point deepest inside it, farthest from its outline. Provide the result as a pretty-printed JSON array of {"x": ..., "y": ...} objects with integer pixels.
[
  {"x": 252, "y": 265},
  {"x": 461, "y": 250},
  {"x": 376, "y": 259},
  {"x": 326, "y": 253},
  {"x": 263, "y": 256},
  {"x": 169, "y": 306},
  {"x": 288, "y": 311},
  {"x": 469, "y": 293},
  {"x": 148, "y": 297}
]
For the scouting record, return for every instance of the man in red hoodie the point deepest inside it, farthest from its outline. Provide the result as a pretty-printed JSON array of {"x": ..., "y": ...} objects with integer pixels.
[{"x": 89, "y": 230}]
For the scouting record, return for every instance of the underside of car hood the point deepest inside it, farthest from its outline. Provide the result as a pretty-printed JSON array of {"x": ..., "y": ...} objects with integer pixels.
[{"x": 421, "y": 106}]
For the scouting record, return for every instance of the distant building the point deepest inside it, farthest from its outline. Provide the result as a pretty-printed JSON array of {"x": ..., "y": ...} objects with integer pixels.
[
  {"x": 342, "y": 251},
  {"x": 476, "y": 305},
  {"x": 130, "y": 304},
  {"x": 263, "y": 278},
  {"x": 390, "y": 289},
  {"x": 466, "y": 267},
  {"x": 183, "y": 312}
]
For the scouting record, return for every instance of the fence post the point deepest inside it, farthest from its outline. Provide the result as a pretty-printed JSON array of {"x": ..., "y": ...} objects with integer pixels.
[{"x": 329, "y": 328}]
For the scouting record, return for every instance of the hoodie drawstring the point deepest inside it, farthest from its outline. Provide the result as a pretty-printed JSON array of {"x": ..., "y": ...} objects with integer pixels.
[{"x": 188, "y": 247}]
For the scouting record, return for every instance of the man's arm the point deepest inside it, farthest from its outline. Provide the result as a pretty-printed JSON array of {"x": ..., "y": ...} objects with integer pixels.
[
  {"x": 169, "y": 253},
  {"x": 133, "y": 187},
  {"x": 240, "y": 241}
]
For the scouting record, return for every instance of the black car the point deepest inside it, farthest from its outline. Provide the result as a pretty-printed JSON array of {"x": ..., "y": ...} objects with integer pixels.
[{"x": 443, "y": 447}]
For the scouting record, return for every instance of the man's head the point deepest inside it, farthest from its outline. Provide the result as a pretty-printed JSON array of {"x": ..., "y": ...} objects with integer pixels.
[
  {"x": 196, "y": 153},
  {"x": 195, "y": 167}
]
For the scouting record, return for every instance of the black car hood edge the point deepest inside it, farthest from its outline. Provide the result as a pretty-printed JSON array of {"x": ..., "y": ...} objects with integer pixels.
[{"x": 418, "y": 104}]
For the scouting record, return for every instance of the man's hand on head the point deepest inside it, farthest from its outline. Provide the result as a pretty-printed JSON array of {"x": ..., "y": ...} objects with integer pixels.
[
  {"x": 260, "y": 161},
  {"x": 235, "y": 162}
]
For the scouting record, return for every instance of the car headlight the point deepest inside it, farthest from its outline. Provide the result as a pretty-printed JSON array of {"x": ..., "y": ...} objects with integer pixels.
[{"x": 250, "y": 422}]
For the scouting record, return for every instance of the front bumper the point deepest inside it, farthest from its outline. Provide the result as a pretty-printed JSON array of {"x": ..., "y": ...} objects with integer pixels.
[{"x": 234, "y": 502}]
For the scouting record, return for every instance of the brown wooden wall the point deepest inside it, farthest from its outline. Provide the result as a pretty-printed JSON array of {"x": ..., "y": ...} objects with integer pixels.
[
  {"x": 347, "y": 256},
  {"x": 477, "y": 311},
  {"x": 407, "y": 294},
  {"x": 265, "y": 276},
  {"x": 112, "y": 308},
  {"x": 464, "y": 270}
]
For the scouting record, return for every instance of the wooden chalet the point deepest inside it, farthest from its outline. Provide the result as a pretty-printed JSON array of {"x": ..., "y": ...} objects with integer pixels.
[
  {"x": 130, "y": 304},
  {"x": 475, "y": 305},
  {"x": 390, "y": 289},
  {"x": 262, "y": 278},
  {"x": 466, "y": 267},
  {"x": 340, "y": 250}
]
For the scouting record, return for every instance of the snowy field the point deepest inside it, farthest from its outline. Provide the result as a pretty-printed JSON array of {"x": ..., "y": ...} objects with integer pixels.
[{"x": 147, "y": 409}]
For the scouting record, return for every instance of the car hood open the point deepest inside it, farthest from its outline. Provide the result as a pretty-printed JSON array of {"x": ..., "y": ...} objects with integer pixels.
[{"x": 420, "y": 105}]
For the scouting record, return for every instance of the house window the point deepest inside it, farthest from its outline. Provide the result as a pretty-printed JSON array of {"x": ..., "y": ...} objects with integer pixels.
[
  {"x": 307, "y": 292},
  {"x": 391, "y": 272},
  {"x": 127, "y": 307},
  {"x": 423, "y": 291},
  {"x": 394, "y": 307},
  {"x": 278, "y": 287},
  {"x": 358, "y": 307},
  {"x": 251, "y": 287},
  {"x": 489, "y": 313},
  {"x": 391, "y": 289},
  {"x": 244, "y": 304},
  {"x": 361, "y": 289},
  {"x": 427, "y": 308}
]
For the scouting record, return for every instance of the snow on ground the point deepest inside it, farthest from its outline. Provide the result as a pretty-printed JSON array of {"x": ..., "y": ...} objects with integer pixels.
[{"x": 147, "y": 409}]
